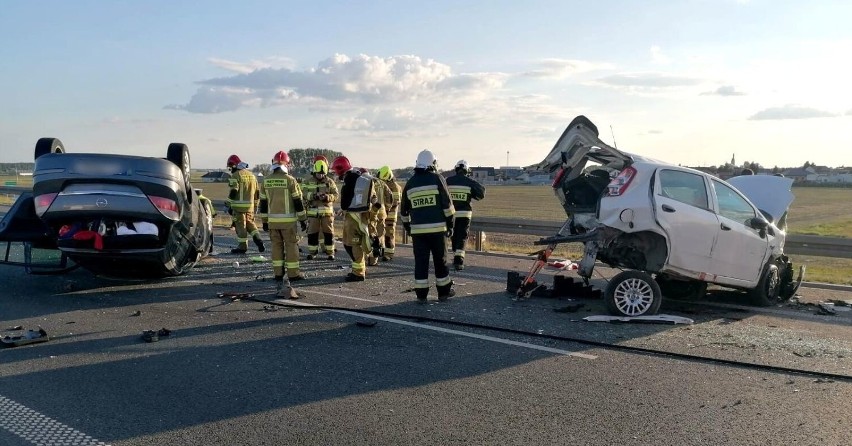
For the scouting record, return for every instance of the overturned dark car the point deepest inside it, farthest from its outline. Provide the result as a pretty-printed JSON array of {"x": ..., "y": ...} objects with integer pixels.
[{"x": 117, "y": 215}]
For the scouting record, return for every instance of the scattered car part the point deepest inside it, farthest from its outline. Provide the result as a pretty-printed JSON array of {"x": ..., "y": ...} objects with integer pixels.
[
  {"x": 653, "y": 319},
  {"x": 25, "y": 337}
]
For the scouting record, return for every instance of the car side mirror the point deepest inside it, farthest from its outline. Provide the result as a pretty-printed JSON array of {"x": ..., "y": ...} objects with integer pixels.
[{"x": 758, "y": 223}]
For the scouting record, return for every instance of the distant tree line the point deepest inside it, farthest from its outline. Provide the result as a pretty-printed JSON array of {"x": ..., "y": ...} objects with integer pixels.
[{"x": 13, "y": 168}]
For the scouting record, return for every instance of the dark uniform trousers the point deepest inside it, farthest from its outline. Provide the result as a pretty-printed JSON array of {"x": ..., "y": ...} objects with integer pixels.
[
  {"x": 460, "y": 232},
  {"x": 434, "y": 244}
]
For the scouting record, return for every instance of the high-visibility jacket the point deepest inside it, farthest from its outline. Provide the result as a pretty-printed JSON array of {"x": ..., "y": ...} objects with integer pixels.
[
  {"x": 244, "y": 191},
  {"x": 396, "y": 196},
  {"x": 312, "y": 189},
  {"x": 463, "y": 189},
  {"x": 426, "y": 205},
  {"x": 284, "y": 200}
]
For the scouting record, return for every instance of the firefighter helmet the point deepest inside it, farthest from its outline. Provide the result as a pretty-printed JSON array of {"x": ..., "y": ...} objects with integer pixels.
[
  {"x": 320, "y": 166},
  {"x": 233, "y": 160},
  {"x": 462, "y": 167},
  {"x": 281, "y": 158},
  {"x": 340, "y": 165},
  {"x": 426, "y": 160},
  {"x": 385, "y": 173}
]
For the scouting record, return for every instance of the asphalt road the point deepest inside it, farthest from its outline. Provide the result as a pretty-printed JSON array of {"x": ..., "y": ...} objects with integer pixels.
[{"x": 252, "y": 373}]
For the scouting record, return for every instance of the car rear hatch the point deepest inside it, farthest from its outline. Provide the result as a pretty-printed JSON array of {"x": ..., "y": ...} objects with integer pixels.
[{"x": 579, "y": 189}]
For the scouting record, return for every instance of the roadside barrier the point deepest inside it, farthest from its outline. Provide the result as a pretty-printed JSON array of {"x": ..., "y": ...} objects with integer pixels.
[{"x": 797, "y": 244}]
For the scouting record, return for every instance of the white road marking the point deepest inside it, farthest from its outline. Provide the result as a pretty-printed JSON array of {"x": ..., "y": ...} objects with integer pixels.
[
  {"x": 449, "y": 331},
  {"x": 39, "y": 429}
]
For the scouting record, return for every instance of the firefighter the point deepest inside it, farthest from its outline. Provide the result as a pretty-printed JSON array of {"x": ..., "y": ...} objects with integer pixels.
[
  {"x": 386, "y": 176},
  {"x": 462, "y": 189},
  {"x": 283, "y": 197},
  {"x": 356, "y": 199},
  {"x": 376, "y": 227},
  {"x": 427, "y": 215},
  {"x": 320, "y": 192},
  {"x": 243, "y": 193}
]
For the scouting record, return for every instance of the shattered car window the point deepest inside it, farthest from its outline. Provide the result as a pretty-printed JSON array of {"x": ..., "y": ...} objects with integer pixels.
[
  {"x": 732, "y": 205},
  {"x": 685, "y": 187}
]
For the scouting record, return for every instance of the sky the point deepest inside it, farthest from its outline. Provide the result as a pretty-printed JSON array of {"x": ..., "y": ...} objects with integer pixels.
[{"x": 491, "y": 82}]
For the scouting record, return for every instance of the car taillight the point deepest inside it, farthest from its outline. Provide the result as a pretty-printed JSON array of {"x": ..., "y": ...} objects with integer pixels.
[
  {"x": 618, "y": 185},
  {"x": 42, "y": 202},
  {"x": 167, "y": 207},
  {"x": 558, "y": 178}
]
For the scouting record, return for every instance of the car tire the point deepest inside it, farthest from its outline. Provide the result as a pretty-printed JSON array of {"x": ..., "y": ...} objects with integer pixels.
[
  {"x": 681, "y": 289},
  {"x": 633, "y": 293},
  {"x": 178, "y": 154},
  {"x": 48, "y": 145},
  {"x": 768, "y": 287}
]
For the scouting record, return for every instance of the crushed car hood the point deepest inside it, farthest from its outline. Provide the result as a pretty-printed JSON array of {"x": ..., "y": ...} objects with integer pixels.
[
  {"x": 769, "y": 193},
  {"x": 579, "y": 142}
]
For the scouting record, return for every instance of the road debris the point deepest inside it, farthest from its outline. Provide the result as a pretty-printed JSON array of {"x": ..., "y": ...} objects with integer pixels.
[
  {"x": 234, "y": 295},
  {"x": 21, "y": 337},
  {"x": 655, "y": 319},
  {"x": 155, "y": 335},
  {"x": 570, "y": 308}
]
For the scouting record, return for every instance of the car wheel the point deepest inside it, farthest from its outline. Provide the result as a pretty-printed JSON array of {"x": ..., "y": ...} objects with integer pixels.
[
  {"x": 681, "y": 289},
  {"x": 633, "y": 293},
  {"x": 179, "y": 155},
  {"x": 768, "y": 288},
  {"x": 48, "y": 145}
]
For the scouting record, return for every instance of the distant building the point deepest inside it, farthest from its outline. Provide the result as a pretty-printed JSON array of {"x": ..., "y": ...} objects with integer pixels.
[
  {"x": 482, "y": 174},
  {"x": 215, "y": 177}
]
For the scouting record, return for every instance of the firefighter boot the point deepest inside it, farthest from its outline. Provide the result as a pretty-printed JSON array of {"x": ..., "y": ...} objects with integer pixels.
[
  {"x": 421, "y": 294},
  {"x": 458, "y": 263},
  {"x": 259, "y": 242},
  {"x": 445, "y": 292}
]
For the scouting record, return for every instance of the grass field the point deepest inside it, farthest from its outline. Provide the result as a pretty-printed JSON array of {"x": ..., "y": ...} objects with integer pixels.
[{"x": 816, "y": 211}]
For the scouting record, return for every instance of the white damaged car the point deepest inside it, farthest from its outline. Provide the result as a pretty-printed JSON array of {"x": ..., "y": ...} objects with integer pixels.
[{"x": 673, "y": 229}]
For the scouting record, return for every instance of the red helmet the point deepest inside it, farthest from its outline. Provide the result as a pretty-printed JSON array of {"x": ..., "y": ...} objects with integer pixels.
[
  {"x": 321, "y": 158},
  {"x": 363, "y": 170},
  {"x": 340, "y": 165},
  {"x": 233, "y": 160},
  {"x": 281, "y": 158}
]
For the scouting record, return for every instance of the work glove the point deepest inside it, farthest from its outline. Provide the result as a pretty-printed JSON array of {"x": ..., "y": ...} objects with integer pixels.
[
  {"x": 304, "y": 225},
  {"x": 265, "y": 227},
  {"x": 407, "y": 227},
  {"x": 449, "y": 232}
]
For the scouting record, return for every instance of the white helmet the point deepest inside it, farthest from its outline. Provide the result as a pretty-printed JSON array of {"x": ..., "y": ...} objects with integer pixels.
[
  {"x": 461, "y": 166},
  {"x": 426, "y": 160}
]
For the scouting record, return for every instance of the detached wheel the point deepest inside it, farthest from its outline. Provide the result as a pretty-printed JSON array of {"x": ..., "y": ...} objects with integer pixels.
[
  {"x": 633, "y": 293},
  {"x": 48, "y": 145},
  {"x": 179, "y": 155},
  {"x": 768, "y": 288}
]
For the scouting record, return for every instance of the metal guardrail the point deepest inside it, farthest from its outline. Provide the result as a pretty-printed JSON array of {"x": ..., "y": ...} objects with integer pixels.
[{"x": 796, "y": 244}]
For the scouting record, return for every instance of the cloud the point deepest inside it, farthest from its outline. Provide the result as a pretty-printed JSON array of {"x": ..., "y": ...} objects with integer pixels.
[
  {"x": 362, "y": 79},
  {"x": 648, "y": 80},
  {"x": 724, "y": 90},
  {"x": 254, "y": 65},
  {"x": 790, "y": 112},
  {"x": 377, "y": 121},
  {"x": 658, "y": 57},
  {"x": 562, "y": 68}
]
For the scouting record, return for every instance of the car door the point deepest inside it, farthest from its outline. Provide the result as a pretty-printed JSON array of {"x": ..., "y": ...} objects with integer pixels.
[
  {"x": 681, "y": 209},
  {"x": 740, "y": 250}
]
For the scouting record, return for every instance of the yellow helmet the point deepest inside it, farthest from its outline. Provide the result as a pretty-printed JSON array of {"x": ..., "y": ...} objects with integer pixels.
[
  {"x": 320, "y": 166},
  {"x": 385, "y": 173}
]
